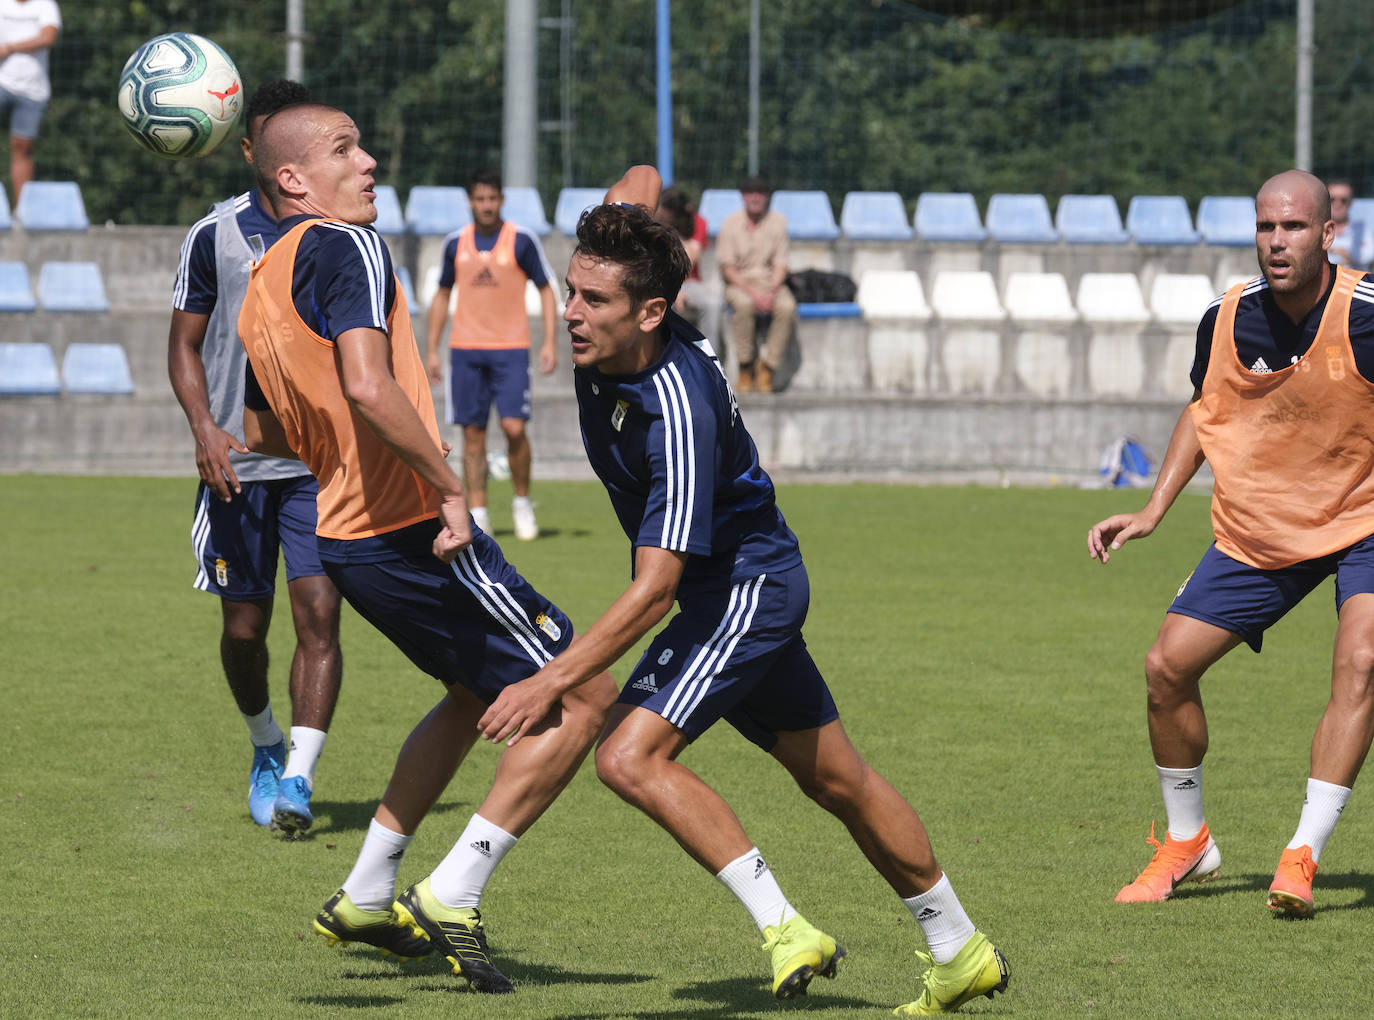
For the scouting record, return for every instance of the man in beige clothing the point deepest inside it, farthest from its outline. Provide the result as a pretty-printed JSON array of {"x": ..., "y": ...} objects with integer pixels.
[{"x": 751, "y": 250}]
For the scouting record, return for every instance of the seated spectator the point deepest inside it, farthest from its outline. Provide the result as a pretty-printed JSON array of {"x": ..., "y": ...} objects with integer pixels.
[
  {"x": 1347, "y": 248},
  {"x": 695, "y": 302},
  {"x": 751, "y": 248}
]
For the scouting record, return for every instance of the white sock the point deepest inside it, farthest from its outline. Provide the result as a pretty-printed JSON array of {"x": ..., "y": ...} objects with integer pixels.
[
  {"x": 371, "y": 884},
  {"x": 263, "y": 730},
  {"x": 1182, "y": 789},
  {"x": 459, "y": 879},
  {"x": 522, "y": 503},
  {"x": 481, "y": 518},
  {"x": 753, "y": 884},
  {"x": 1321, "y": 810},
  {"x": 942, "y": 920},
  {"x": 303, "y": 753}
]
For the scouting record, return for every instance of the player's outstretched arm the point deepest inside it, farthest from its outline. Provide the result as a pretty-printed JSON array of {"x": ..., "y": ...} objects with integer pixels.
[
  {"x": 1181, "y": 463},
  {"x": 636, "y": 612},
  {"x": 640, "y": 186},
  {"x": 438, "y": 315},
  {"x": 186, "y": 370}
]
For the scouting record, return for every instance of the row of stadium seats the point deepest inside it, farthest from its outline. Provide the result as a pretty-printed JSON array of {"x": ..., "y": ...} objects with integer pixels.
[
  {"x": 29, "y": 369},
  {"x": 877, "y": 216},
  {"x": 62, "y": 287},
  {"x": 1175, "y": 298}
]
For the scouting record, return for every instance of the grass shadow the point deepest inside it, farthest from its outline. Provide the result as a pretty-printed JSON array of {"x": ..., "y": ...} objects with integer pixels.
[{"x": 338, "y": 816}]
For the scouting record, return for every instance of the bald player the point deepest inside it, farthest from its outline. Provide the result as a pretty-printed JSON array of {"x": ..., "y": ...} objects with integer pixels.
[
  {"x": 336, "y": 378},
  {"x": 1280, "y": 412}
]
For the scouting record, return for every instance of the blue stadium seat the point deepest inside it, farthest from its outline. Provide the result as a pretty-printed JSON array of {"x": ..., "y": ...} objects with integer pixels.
[
  {"x": 407, "y": 288},
  {"x": 1227, "y": 220},
  {"x": 1160, "y": 219},
  {"x": 16, "y": 295},
  {"x": 808, "y": 213},
  {"x": 572, "y": 203},
  {"x": 1089, "y": 219},
  {"x": 96, "y": 368},
  {"x": 71, "y": 287},
  {"x": 28, "y": 370},
  {"x": 874, "y": 216},
  {"x": 525, "y": 208},
  {"x": 1020, "y": 219},
  {"x": 829, "y": 310},
  {"x": 390, "y": 222},
  {"x": 51, "y": 205},
  {"x": 1362, "y": 211},
  {"x": 948, "y": 216},
  {"x": 716, "y": 204},
  {"x": 435, "y": 210}
]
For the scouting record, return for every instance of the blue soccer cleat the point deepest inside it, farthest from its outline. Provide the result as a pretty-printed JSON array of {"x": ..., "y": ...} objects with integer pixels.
[
  {"x": 291, "y": 810},
  {"x": 264, "y": 781}
]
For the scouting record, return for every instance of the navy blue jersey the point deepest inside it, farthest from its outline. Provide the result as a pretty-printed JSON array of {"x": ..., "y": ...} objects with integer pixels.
[
  {"x": 680, "y": 468},
  {"x": 529, "y": 254},
  {"x": 1268, "y": 340},
  {"x": 197, "y": 284}
]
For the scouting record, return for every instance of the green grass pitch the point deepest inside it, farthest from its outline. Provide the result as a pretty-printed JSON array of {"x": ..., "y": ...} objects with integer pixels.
[{"x": 981, "y": 661}]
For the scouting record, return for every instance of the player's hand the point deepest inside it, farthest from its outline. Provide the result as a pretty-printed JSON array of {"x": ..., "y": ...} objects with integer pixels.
[
  {"x": 763, "y": 300},
  {"x": 548, "y": 358},
  {"x": 518, "y": 708},
  {"x": 435, "y": 368},
  {"x": 456, "y": 532},
  {"x": 1116, "y": 531},
  {"x": 212, "y": 461},
  {"x": 445, "y": 447}
]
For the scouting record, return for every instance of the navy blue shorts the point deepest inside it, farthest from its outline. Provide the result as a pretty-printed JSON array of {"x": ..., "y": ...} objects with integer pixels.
[
  {"x": 476, "y": 378},
  {"x": 1248, "y": 601},
  {"x": 738, "y": 655},
  {"x": 474, "y": 622},
  {"x": 236, "y": 543}
]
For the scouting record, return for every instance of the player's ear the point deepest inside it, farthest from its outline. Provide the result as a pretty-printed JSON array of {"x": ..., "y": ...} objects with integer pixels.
[
  {"x": 651, "y": 314},
  {"x": 289, "y": 180},
  {"x": 246, "y": 144}
]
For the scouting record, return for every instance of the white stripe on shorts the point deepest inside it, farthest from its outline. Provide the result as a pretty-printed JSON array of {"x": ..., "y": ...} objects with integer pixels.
[
  {"x": 711, "y": 659},
  {"x": 200, "y": 537},
  {"x": 500, "y": 604}
]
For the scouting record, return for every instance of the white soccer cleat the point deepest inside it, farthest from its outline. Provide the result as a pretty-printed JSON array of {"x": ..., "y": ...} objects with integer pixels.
[{"x": 526, "y": 527}]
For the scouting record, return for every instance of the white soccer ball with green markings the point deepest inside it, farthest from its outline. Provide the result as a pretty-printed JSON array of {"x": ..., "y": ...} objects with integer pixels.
[{"x": 180, "y": 95}]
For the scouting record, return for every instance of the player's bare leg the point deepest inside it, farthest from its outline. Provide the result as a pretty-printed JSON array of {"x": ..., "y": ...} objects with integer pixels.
[
  {"x": 886, "y": 828},
  {"x": 637, "y": 759},
  {"x": 316, "y": 673},
  {"x": 1339, "y": 747},
  {"x": 518, "y": 455},
  {"x": 1183, "y": 651},
  {"x": 243, "y": 653},
  {"x": 443, "y": 907},
  {"x": 475, "y": 466}
]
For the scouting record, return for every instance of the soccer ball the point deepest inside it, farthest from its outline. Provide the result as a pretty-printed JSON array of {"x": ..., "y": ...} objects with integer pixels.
[{"x": 180, "y": 95}]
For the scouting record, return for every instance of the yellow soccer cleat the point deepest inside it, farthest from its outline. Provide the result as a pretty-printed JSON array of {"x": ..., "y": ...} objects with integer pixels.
[
  {"x": 341, "y": 922},
  {"x": 979, "y": 968},
  {"x": 799, "y": 953},
  {"x": 456, "y": 932}
]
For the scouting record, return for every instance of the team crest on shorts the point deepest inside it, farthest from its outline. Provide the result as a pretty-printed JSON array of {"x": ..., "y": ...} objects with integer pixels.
[
  {"x": 1183, "y": 585},
  {"x": 618, "y": 415},
  {"x": 545, "y": 623},
  {"x": 221, "y": 573}
]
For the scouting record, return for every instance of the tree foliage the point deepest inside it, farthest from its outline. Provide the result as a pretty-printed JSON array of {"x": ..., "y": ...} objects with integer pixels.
[{"x": 1172, "y": 96}]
